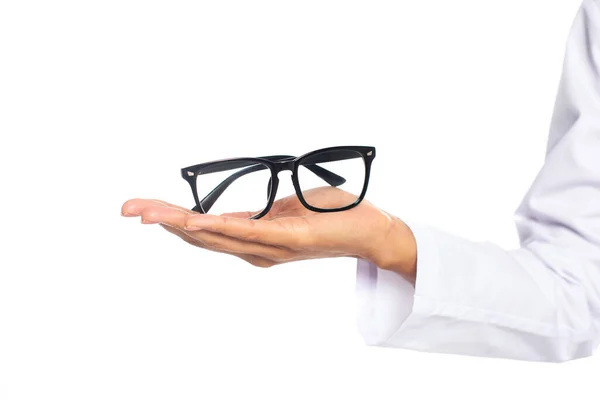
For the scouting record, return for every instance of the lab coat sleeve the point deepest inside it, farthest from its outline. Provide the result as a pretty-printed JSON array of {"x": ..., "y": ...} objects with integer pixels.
[{"x": 540, "y": 302}]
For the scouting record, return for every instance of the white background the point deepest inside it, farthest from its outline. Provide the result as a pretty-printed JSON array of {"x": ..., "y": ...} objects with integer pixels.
[{"x": 104, "y": 101}]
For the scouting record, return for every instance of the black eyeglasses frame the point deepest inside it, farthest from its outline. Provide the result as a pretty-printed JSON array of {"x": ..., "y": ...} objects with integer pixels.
[{"x": 280, "y": 163}]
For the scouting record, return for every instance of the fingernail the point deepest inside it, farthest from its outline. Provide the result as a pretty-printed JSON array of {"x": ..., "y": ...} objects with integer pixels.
[{"x": 145, "y": 221}]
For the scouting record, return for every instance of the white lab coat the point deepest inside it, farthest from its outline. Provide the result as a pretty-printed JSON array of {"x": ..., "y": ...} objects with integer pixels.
[{"x": 540, "y": 302}]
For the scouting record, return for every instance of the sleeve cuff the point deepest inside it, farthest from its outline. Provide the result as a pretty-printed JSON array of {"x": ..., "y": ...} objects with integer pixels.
[
  {"x": 385, "y": 299},
  {"x": 472, "y": 299}
]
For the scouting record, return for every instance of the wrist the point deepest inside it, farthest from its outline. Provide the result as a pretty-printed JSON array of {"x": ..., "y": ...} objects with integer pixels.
[{"x": 396, "y": 250}]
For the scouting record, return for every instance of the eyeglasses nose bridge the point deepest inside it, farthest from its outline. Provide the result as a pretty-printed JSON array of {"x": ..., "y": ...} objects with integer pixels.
[{"x": 284, "y": 166}]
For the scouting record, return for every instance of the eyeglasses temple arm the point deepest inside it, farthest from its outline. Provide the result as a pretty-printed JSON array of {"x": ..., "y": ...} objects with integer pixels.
[{"x": 209, "y": 200}]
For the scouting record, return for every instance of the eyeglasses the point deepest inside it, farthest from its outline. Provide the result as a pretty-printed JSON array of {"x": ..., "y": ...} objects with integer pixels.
[{"x": 250, "y": 184}]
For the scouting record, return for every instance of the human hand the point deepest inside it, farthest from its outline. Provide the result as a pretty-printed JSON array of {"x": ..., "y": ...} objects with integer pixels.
[{"x": 290, "y": 232}]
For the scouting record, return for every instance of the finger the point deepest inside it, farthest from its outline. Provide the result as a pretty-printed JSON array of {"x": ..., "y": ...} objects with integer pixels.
[
  {"x": 239, "y": 214},
  {"x": 287, "y": 232},
  {"x": 164, "y": 214},
  {"x": 245, "y": 214},
  {"x": 250, "y": 258},
  {"x": 135, "y": 207},
  {"x": 216, "y": 241}
]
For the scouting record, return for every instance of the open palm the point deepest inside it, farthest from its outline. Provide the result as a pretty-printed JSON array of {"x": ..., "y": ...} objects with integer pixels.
[{"x": 289, "y": 232}]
